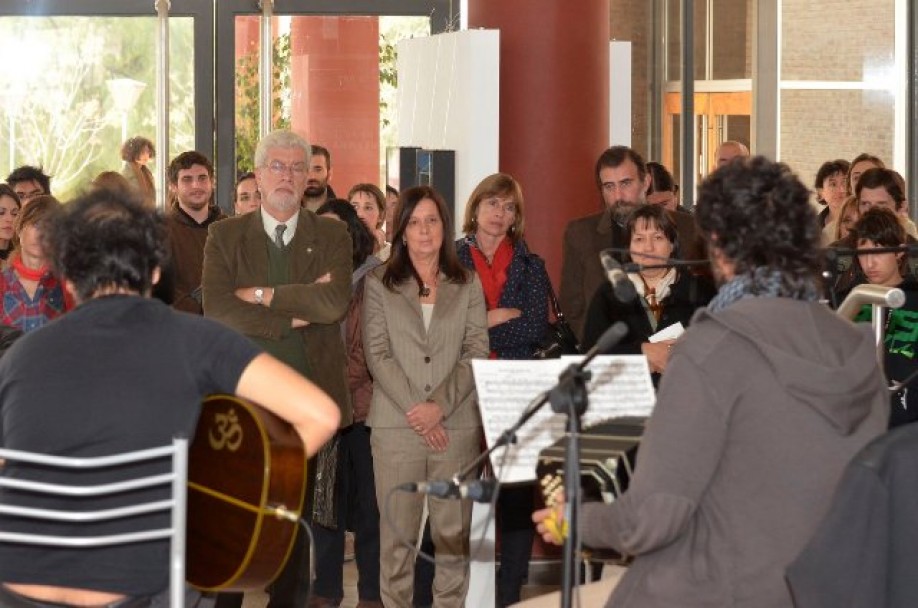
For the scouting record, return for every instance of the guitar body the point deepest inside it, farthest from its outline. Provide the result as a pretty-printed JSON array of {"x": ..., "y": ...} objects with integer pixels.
[{"x": 246, "y": 484}]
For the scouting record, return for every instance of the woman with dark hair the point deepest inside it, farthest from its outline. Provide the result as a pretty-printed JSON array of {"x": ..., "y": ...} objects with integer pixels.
[
  {"x": 31, "y": 293},
  {"x": 424, "y": 320},
  {"x": 831, "y": 189},
  {"x": 136, "y": 153},
  {"x": 666, "y": 296},
  {"x": 357, "y": 485},
  {"x": 880, "y": 227},
  {"x": 516, "y": 288},
  {"x": 9, "y": 211}
]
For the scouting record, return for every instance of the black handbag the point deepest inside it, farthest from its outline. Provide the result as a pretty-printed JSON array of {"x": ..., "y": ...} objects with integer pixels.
[{"x": 559, "y": 337}]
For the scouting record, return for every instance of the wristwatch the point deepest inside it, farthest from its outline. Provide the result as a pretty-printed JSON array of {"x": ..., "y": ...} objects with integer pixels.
[{"x": 259, "y": 295}]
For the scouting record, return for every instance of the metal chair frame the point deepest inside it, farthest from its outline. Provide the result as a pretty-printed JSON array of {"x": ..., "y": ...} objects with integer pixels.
[{"x": 176, "y": 504}]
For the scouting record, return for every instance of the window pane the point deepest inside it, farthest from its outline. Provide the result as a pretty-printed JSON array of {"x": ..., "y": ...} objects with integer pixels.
[
  {"x": 78, "y": 85},
  {"x": 817, "y": 126},
  {"x": 851, "y": 41},
  {"x": 732, "y": 39},
  {"x": 334, "y": 82}
]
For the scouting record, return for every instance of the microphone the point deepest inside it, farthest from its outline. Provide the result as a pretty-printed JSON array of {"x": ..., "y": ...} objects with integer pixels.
[
  {"x": 476, "y": 490},
  {"x": 609, "y": 338},
  {"x": 892, "y": 297},
  {"x": 622, "y": 286},
  {"x": 665, "y": 263}
]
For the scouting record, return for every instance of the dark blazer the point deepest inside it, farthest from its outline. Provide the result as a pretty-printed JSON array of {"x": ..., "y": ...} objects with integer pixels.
[
  {"x": 526, "y": 289},
  {"x": 687, "y": 294},
  {"x": 236, "y": 255},
  {"x": 581, "y": 270},
  {"x": 410, "y": 364}
]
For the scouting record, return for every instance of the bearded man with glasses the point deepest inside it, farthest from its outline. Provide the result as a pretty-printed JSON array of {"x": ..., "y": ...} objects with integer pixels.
[{"x": 282, "y": 276}]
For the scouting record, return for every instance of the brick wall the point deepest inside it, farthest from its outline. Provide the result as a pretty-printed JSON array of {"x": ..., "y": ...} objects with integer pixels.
[{"x": 845, "y": 40}]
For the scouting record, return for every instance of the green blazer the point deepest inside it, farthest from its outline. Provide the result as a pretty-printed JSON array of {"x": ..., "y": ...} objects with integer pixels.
[{"x": 236, "y": 255}]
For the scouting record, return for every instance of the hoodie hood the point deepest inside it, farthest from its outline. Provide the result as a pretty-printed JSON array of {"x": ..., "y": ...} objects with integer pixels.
[{"x": 825, "y": 361}]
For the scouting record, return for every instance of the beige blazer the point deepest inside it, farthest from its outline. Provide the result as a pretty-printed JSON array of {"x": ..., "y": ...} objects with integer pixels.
[{"x": 410, "y": 364}]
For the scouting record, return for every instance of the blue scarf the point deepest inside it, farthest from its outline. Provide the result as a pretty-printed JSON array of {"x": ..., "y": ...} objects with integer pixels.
[{"x": 761, "y": 283}]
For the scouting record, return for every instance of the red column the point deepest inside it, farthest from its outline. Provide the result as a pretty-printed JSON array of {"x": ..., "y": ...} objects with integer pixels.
[
  {"x": 554, "y": 107},
  {"x": 335, "y": 85}
]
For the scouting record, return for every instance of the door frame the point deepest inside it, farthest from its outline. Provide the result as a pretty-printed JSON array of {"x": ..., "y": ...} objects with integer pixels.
[{"x": 444, "y": 15}]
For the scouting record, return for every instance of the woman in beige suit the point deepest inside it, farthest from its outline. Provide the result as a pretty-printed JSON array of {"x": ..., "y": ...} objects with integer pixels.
[{"x": 424, "y": 320}]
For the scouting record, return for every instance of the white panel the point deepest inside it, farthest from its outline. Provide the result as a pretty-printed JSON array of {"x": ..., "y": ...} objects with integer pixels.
[
  {"x": 620, "y": 93},
  {"x": 448, "y": 99}
]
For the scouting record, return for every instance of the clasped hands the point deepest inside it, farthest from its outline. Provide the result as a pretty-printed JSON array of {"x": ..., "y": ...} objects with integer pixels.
[{"x": 426, "y": 420}]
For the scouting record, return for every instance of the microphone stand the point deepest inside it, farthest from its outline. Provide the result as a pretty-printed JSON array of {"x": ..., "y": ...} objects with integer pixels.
[{"x": 569, "y": 396}]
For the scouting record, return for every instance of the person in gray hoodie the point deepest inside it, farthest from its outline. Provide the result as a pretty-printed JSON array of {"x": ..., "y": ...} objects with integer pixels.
[{"x": 766, "y": 397}]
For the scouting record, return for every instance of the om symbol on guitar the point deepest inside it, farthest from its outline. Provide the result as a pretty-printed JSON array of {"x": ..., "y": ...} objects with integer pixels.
[{"x": 226, "y": 432}]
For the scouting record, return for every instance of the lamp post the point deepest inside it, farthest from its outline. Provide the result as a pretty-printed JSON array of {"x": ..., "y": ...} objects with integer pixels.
[{"x": 125, "y": 92}]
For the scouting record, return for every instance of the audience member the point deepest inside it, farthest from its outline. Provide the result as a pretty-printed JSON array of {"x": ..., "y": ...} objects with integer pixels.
[
  {"x": 246, "y": 195},
  {"x": 282, "y": 276},
  {"x": 516, "y": 290},
  {"x": 391, "y": 204},
  {"x": 663, "y": 189},
  {"x": 111, "y": 180},
  {"x": 884, "y": 188},
  {"x": 9, "y": 211},
  {"x": 357, "y": 486},
  {"x": 28, "y": 182},
  {"x": 319, "y": 173},
  {"x": 191, "y": 181},
  {"x": 370, "y": 204},
  {"x": 879, "y": 227},
  {"x": 32, "y": 294},
  {"x": 729, "y": 150},
  {"x": 136, "y": 153},
  {"x": 423, "y": 306},
  {"x": 831, "y": 189},
  {"x": 862, "y": 162},
  {"x": 665, "y": 296}
]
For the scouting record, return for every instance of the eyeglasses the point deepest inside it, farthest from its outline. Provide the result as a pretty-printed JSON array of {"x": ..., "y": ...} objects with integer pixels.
[
  {"x": 278, "y": 168},
  {"x": 27, "y": 196},
  {"x": 493, "y": 204}
]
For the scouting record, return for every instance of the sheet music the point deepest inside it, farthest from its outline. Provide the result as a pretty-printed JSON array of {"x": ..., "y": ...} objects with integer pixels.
[{"x": 620, "y": 386}]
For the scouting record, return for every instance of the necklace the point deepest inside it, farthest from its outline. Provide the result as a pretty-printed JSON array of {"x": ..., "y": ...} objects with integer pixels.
[{"x": 424, "y": 291}]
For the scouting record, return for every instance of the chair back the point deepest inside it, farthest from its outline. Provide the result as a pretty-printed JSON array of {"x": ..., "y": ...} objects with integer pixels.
[{"x": 175, "y": 478}]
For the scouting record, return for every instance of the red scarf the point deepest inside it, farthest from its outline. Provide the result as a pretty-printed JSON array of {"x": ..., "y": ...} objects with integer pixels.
[
  {"x": 25, "y": 273},
  {"x": 493, "y": 276}
]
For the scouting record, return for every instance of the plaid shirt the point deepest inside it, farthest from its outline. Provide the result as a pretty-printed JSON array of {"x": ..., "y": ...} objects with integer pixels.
[{"x": 25, "y": 313}]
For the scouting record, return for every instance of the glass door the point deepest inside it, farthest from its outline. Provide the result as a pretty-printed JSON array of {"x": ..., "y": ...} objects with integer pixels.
[
  {"x": 81, "y": 79},
  {"x": 719, "y": 117},
  {"x": 333, "y": 80}
]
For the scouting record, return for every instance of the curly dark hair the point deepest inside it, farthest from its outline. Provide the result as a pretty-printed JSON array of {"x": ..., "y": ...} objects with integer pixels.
[
  {"x": 363, "y": 241},
  {"x": 756, "y": 212},
  {"x": 106, "y": 239},
  {"x": 134, "y": 147}
]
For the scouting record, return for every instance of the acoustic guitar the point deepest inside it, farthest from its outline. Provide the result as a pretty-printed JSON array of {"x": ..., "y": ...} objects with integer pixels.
[{"x": 246, "y": 483}]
